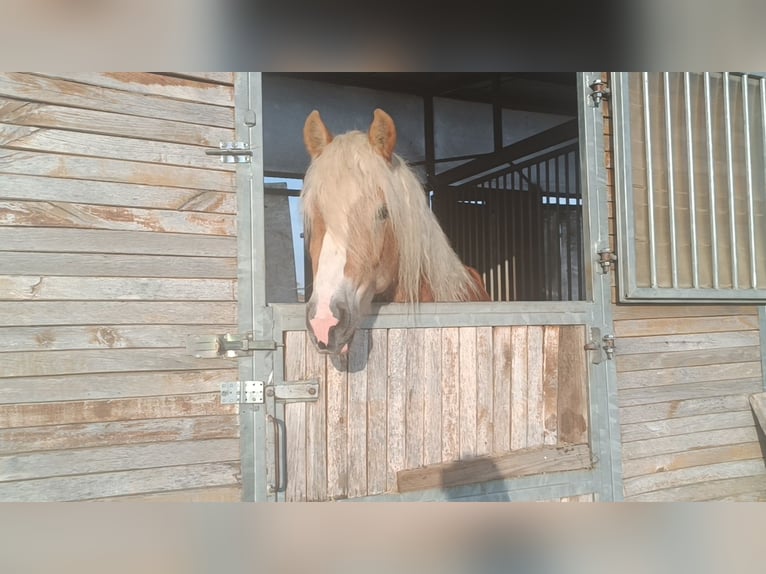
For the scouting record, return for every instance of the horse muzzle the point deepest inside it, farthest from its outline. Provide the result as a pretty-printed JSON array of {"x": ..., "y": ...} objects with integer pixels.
[{"x": 332, "y": 327}]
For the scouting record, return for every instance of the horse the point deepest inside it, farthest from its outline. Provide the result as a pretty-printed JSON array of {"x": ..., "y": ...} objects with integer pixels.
[{"x": 370, "y": 232}]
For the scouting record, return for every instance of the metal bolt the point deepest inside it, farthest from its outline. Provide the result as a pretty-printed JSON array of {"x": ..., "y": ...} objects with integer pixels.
[
  {"x": 312, "y": 391},
  {"x": 269, "y": 392}
]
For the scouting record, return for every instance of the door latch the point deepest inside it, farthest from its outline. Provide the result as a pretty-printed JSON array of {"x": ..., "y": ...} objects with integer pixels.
[
  {"x": 232, "y": 152},
  {"x": 226, "y": 345},
  {"x": 598, "y": 343},
  {"x": 607, "y": 259}
]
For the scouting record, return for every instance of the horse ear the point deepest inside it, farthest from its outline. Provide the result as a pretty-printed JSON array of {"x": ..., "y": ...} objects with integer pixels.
[
  {"x": 382, "y": 134},
  {"x": 315, "y": 134}
]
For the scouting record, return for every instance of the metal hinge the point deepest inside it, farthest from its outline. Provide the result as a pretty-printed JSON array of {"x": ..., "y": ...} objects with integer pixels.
[
  {"x": 255, "y": 392},
  {"x": 226, "y": 345},
  {"x": 232, "y": 152},
  {"x": 599, "y": 91},
  {"x": 607, "y": 259},
  {"x": 598, "y": 343}
]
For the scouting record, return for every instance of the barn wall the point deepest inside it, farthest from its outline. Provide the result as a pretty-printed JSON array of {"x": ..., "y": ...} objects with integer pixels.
[
  {"x": 684, "y": 374},
  {"x": 117, "y": 241}
]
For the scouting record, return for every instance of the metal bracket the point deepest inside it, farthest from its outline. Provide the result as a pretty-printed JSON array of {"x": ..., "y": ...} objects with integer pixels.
[
  {"x": 598, "y": 343},
  {"x": 232, "y": 152},
  {"x": 608, "y": 346},
  {"x": 600, "y": 91},
  {"x": 254, "y": 392},
  {"x": 607, "y": 259},
  {"x": 295, "y": 391},
  {"x": 231, "y": 393},
  {"x": 226, "y": 345}
]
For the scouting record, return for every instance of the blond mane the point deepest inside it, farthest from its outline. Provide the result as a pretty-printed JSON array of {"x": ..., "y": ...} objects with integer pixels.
[{"x": 347, "y": 180}]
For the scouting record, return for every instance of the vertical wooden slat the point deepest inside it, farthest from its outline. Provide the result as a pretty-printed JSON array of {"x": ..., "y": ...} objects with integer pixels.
[
  {"x": 535, "y": 417},
  {"x": 484, "y": 393},
  {"x": 467, "y": 369},
  {"x": 501, "y": 372},
  {"x": 357, "y": 414},
  {"x": 550, "y": 384},
  {"x": 295, "y": 418},
  {"x": 573, "y": 400},
  {"x": 450, "y": 394},
  {"x": 518, "y": 387},
  {"x": 415, "y": 399},
  {"x": 432, "y": 433},
  {"x": 316, "y": 427},
  {"x": 377, "y": 377},
  {"x": 337, "y": 430},
  {"x": 397, "y": 378}
]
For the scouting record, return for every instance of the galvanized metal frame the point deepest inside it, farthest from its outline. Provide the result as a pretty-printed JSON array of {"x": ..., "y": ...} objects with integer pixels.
[
  {"x": 628, "y": 289},
  {"x": 271, "y": 321}
]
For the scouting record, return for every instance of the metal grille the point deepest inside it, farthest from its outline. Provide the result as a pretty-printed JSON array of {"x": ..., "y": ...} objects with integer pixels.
[
  {"x": 689, "y": 153},
  {"x": 521, "y": 226}
]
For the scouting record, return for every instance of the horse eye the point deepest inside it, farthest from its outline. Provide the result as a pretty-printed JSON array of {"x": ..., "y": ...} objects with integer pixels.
[{"x": 383, "y": 213}]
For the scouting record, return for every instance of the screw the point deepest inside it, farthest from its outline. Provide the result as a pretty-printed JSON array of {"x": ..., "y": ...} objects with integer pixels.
[
  {"x": 312, "y": 391},
  {"x": 269, "y": 392}
]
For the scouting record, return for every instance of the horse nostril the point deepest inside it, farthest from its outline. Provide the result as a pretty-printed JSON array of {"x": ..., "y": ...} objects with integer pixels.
[{"x": 322, "y": 346}]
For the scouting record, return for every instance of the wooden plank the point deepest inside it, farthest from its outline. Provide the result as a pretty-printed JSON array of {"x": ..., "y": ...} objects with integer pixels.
[
  {"x": 501, "y": 431},
  {"x": 337, "y": 428},
  {"x": 397, "y": 381},
  {"x": 27, "y": 466},
  {"x": 103, "y": 410},
  {"x": 316, "y": 427},
  {"x": 518, "y": 387},
  {"x": 97, "y": 121},
  {"x": 113, "y": 385},
  {"x": 52, "y": 288},
  {"x": 214, "y": 494},
  {"x": 220, "y": 77},
  {"x": 33, "y": 88},
  {"x": 450, "y": 391},
  {"x": 81, "y": 191},
  {"x": 468, "y": 390},
  {"x": 84, "y": 487},
  {"x": 685, "y": 408},
  {"x": 689, "y": 441},
  {"x": 484, "y": 391},
  {"x": 683, "y": 425},
  {"x": 523, "y": 462},
  {"x": 68, "y": 142},
  {"x": 688, "y": 375},
  {"x": 295, "y": 418},
  {"x": 680, "y": 477},
  {"x": 432, "y": 413},
  {"x": 82, "y": 216},
  {"x": 41, "y": 313},
  {"x": 697, "y": 457},
  {"x": 627, "y": 363},
  {"x": 573, "y": 393},
  {"x": 754, "y": 486},
  {"x": 100, "y": 169},
  {"x": 415, "y": 399},
  {"x": 550, "y": 384},
  {"x": 643, "y": 327},
  {"x": 357, "y": 414},
  {"x": 758, "y": 406},
  {"x": 88, "y": 435},
  {"x": 633, "y": 397},
  {"x": 688, "y": 342},
  {"x": 377, "y": 383},
  {"x": 535, "y": 405},
  {"x": 632, "y": 312},
  {"x": 70, "y": 240},
  {"x": 153, "y": 84}
]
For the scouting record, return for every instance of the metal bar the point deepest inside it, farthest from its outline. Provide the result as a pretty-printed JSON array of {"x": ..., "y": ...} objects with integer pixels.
[
  {"x": 497, "y": 114},
  {"x": 762, "y": 83},
  {"x": 671, "y": 181},
  {"x": 692, "y": 191},
  {"x": 730, "y": 182},
  {"x": 711, "y": 181},
  {"x": 429, "y": 138},
  {"x": 649, "y": 180},
  {"x": 749, "y": 180}
]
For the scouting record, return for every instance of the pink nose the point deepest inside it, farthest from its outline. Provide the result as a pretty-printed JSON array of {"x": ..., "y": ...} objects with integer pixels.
[{"x": 321, "y": 327}]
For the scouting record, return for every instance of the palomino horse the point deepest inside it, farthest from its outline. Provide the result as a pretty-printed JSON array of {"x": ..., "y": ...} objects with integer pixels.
[{"x": 371, "y": 233}]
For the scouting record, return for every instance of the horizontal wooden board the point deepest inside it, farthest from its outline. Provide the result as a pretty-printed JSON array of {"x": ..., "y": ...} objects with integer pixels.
[
  {"x": 689, "y": 441},
  {"x": 82, "y": 387},
  {"x": 643, "y": 311},
  {"x": 76, "y": 412},
  {"x": 214, "y": 494},
  {"x": 64, "y": 338},
  {"x": 153, "y": 84},
  {"x": 642, "y": 327},
  {"x": 116, "y": 265},
  {"x": 101, "y": 169},
  {"x": 645, "y": 361},
  {"x": 123, "y": 483},
  {"x": 688, "y": 375},
  {"x": 68, "y": 240},
  {"x": 97, "y": 121},
  {"x": 683, "y": 408},
  {"x": 34, "y": 88},
  {"x": 684, "y": 425},
  {"x": 522, "y": 462},
  {"x": 689, "y": 342},
  {"x": 76, "y": 215},
  {"x": 42, "y": 313},
  {"x": 80, "y": 436},
  {"x": 62, "y": 190},
  {"x": 50, "y": 288},
  {"x": 753, "y": 486},
  {"x": 631, "y": 397},
  {"x": 27, "y": 466},
  {"x": 220, "y": 77},
  {"x": 697, "y": 457},
  {"x": 48, "y": 363}
]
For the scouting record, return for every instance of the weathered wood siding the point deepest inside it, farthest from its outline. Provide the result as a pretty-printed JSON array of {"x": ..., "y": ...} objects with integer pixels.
[
  {"x": 117, "y": 241},
  {"x": 684, "y": 373},
  {"x": 412, "y": 398}
]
